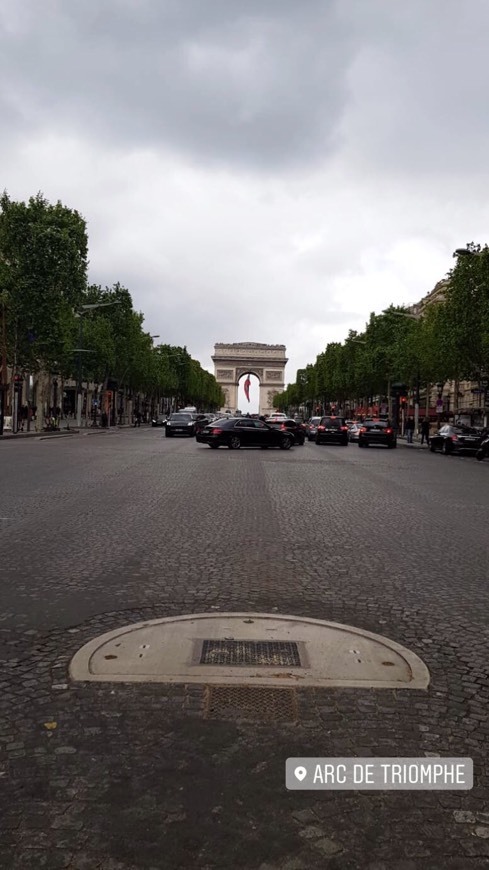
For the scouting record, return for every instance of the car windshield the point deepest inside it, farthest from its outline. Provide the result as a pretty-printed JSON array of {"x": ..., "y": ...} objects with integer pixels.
[{"x": 181, "y": 418}]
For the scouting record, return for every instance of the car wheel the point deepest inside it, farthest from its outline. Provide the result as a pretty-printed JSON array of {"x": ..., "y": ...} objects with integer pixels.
[
  {"x": 234, "y": 442},
  {"x": 264, "y": 447},
  {"x": 446, "y": 450},
  {"x": 479, "y": 455},
  {"x": 286, "y": 444},
  {"x": 168, "y": 434},
  {"x": 360, "y": 444},
  {"x": 432, "y": 447},
  {"x": 213, "y": 446},
  {"x": 344, "y": 444}
]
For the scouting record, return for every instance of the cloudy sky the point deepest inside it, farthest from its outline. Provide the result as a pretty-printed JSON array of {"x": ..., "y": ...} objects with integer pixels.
[{"x": 254, "y": 170}]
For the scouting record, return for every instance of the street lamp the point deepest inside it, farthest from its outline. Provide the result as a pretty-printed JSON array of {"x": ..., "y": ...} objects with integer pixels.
[
  {"x": 409, "y": 315},
  {"x": 466, "y": 252},
  {"x": 78, "y": 315}
]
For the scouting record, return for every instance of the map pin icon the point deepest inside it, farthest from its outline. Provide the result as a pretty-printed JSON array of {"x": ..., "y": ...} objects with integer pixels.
[{"x": 300, "y": 773}]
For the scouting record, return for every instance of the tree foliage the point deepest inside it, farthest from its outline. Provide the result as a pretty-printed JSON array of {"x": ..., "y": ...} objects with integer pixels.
[{"x": 46, "y": 303}]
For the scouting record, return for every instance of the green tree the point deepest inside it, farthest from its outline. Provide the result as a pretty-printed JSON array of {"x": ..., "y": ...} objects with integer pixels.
[
  {"x": 43, "y": 269},
  {"x": 466, "y": 314}
]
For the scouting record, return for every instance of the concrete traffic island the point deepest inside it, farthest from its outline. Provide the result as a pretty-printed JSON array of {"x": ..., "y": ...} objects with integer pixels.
[{"x": 254, "y": 649}]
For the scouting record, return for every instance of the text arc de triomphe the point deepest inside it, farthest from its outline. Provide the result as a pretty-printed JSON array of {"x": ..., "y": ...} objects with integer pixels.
[{"x": 266, "y": 361}]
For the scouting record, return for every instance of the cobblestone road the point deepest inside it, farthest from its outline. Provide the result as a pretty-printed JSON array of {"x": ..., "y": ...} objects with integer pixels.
[{"x": 98, "y": 531}]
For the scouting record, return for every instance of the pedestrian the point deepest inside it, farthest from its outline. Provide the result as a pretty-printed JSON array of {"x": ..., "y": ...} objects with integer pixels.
[
  {"x": 425, "y": 431},
  {"x": 409, "y": 430},
  {"x": 137, "y": 420}
]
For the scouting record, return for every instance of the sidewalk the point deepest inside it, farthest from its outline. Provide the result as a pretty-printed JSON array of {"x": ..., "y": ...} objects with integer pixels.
[
  {"x": 8, "y": 435},
  {"x": 401, "y": 440}
]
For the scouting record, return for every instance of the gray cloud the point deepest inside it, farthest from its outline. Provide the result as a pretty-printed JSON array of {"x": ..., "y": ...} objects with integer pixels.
[
  {"x": 256, "y": 83},
  {"x": 268, "y": 170}
]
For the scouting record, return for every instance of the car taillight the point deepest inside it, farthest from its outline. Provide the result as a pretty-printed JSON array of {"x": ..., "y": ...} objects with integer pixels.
[
  {"x": 454, "y": 437},
  {"x": 388, "y": 431},
  {"x": 344, "y": 428},
  {"x": 321, "y": 428},
  {"x": 216, "y": 431},
  {"x": 283, "y": 427},
  {"x": 363, "y": 429}
]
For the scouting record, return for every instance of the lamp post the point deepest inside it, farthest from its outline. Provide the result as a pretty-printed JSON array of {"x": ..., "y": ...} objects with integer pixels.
[
  {"x": 358, "y": 341},
  {"x": 79, "y": 314},
  {"x": 410, "y": 316},
  {"x": 466, "y": 252}
]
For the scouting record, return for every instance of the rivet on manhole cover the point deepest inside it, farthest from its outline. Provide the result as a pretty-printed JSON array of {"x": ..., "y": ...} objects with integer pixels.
[
  {"x": 248, "y": 702},
  {"x": 279, "y": 654}
]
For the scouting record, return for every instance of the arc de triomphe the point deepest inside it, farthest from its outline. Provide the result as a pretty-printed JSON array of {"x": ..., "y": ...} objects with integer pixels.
[{"x": 266, "y": 361}]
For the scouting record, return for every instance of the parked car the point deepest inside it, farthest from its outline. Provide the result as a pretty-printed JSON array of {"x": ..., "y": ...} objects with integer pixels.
[
  {"x": 159, "y": 420},
  {"x": 483, "y": 451},
  {"x": 244, "y": 432},
  {"x": 181, "y": 423},
  {"x": 312, "y": 428},
  {"x": 377, "y": 432},
  {"x": 354, "y": 431},
  {"x": 296, "y": 429},
  {"x": 456, "y": 439},
  {"x": 332, "y": 430}
]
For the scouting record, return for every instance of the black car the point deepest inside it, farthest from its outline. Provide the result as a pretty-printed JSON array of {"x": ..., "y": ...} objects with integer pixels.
[
  {"x": 201, "y": 421},
  {"x": 181, "y": 423},
  {"x": 332, "y": 430},
  {"x": 456, "y": 439},
  {"x": 296, "y": 428},
  {"x": 160, "y": 420},
  {"x": 244, "y": 432},
  {"x": 377, "y": 432}
]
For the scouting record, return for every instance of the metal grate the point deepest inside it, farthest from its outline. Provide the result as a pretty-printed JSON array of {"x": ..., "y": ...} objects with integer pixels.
[
  {"x": 278, "y": 654},
  {"x": 248, "y": 702}
]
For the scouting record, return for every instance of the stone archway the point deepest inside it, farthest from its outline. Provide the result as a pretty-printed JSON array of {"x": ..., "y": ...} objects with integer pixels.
[{"x": 266, "y": 361}]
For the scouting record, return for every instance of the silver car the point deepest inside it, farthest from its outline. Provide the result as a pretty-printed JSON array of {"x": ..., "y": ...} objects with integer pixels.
[
  {"x": 353, "y": 431},
  {"x": 312, "y": 428}
]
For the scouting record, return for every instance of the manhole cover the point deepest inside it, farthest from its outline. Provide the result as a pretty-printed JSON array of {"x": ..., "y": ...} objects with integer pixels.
[
  {"x": 246, "y": 702},
  {"x": 253, "y": 649},
  {"x": 250, "y": 652}
]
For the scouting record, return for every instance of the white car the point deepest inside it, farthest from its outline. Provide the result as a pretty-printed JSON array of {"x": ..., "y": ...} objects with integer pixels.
[{"x": 354, "y": 431}]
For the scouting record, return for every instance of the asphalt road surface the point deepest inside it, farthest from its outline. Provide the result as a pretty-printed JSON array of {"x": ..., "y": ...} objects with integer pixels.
[{"x": 98, "y": 531}]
